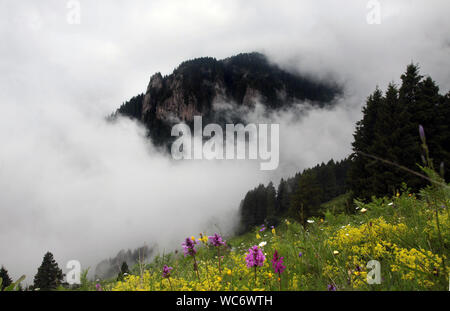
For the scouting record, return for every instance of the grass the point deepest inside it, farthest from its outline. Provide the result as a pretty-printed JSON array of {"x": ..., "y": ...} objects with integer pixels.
[{"x": 402, "y": 233}]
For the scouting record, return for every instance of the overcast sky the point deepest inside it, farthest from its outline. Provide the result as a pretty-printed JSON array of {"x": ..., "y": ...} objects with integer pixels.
[{"x": 84, "y": 189}]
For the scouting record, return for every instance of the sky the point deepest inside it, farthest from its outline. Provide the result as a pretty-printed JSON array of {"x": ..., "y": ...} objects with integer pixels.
[{"x": 83, "y": 188}]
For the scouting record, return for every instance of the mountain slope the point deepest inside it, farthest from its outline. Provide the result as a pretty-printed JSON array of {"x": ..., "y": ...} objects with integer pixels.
[{"x": 196, "y": 84}]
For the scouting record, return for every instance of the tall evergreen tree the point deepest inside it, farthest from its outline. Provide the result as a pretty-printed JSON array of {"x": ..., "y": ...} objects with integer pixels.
[
  {"x": 282, "y": 200},
  {"x": 306, "y": 198},
  {"x": 270, "y": 200},
  {"x": 359, "y": 176},
  {"x": 389, "y": 130},
  {"x": 123, "y": 269},
  {"x": 49, "y": 275},
  {"x": 6, "y": 280}
]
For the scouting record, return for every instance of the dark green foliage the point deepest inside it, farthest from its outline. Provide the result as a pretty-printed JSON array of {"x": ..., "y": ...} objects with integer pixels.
[
  {"x": 133, "y": 107},
  {"x": 199, "y": 79},
  {"x": 49, "y": 275},
  {"x": 298, "y": 197},
  {"x": 6, "y": 280},
  {"x": 389, "y": 130},
  {"x": 123, "y": 269}
]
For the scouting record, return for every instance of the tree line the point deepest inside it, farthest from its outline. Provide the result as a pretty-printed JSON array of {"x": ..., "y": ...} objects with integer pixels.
[{"x": 386, "y": 141}]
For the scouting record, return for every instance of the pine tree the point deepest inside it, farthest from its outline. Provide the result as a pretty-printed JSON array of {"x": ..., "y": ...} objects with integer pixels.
[
  {"x": 359, "y": 175},
  {"x": 271, "y": 204},
  {"x": 385, "y": 179},
  {"x": 49, "y": 275},
  {"x": 306, "y": 198},
  {"x": 410, "y": 113},
  {"x": 283, "y": 198},
  {"x": 123, "y": 270},
  {"x": 6, "y": 280}
]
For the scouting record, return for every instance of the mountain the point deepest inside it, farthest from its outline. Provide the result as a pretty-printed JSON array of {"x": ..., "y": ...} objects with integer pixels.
[{"x": 194, "y": 87}]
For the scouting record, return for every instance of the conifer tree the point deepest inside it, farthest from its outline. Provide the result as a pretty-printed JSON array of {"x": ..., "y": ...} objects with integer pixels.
[
  {"x": 6, "y": 280},
  {"x": 49, "y": 275}
]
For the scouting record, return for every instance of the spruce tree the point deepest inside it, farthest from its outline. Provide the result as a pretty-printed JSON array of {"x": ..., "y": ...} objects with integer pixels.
[
  {"x": 359, "y": 175},
  {"x": 123, "y": 269},
  {"x": 306, "y": 198},
  {"x": 283, "y": 198},
  {"x": 49, "y": 275},
  {"x": 271, "y": 204},
  {"x": 6, "y": 280}
]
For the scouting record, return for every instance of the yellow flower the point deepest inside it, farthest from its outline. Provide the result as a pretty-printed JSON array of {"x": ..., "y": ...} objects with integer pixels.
[
  {"x": 258, "y": 236},
  {"x": 228, "y": 271},
  {"x": 273, "y": 231},
  {"x": 192, "y": 238},
  {"x": 336, "y": 253}
]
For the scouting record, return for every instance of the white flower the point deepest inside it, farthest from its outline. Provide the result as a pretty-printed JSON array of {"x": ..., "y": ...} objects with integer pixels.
[
  {"x": 335, "y": 253},
  {"x": 390, "y": 203},
  {"x": 262, "y": 244},
  {"x": 363, "y": 210},
  {"x": 310, "y": 221}
]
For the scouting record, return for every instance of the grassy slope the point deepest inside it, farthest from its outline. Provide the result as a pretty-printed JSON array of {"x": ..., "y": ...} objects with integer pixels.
[{"x": 400, "y": 232}]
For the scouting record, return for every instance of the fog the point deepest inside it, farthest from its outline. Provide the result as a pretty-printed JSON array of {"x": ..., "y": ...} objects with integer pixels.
[{"x": 83, "y": 188}]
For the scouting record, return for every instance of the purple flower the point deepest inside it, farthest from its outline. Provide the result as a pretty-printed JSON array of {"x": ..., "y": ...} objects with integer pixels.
[
  {"x": 98, "y": 287},
  {"x": 331, "y": 287},
  {"x": 189, "y": 247},
  {"x": 166, "y": 271},
  {"x": 262, "y": 228},
  {"x": 422, "y": 133},
  {"x": 216, "y": 240},
  {"x": 300, "y": 254},
  {"x": 255, "y": 257},
  {"x": 277, "y": 263}
]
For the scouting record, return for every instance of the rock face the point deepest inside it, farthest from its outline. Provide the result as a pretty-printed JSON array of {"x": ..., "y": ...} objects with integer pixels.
[{"x": 196, "y": 84}]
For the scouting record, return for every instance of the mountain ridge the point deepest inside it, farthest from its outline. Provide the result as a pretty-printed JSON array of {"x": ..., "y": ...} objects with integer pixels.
[{"x": 193, "y": 87}]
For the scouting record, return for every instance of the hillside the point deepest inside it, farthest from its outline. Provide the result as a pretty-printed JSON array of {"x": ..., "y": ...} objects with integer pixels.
[{"x": 195, "y": 85}]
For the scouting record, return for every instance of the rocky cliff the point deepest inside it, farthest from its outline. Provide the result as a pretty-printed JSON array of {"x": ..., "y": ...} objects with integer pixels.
[{"x": 197, "y": 84}]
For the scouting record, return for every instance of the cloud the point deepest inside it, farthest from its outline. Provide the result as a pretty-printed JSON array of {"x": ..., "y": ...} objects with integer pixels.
[{"x": 83, "y": 188}]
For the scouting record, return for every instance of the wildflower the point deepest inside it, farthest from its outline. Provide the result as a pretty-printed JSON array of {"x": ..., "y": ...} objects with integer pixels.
[
  {"x": 300, "y": 254},
  {"x": 336, "y": 253},
  {"x": 331, "y": 287},
  {"x": 422, "y": 133},
  {"x": 262, "y": 228},
  {"x": 166, "y": 271},
  {"x": 216, "y": 240},
  {"x": 189, "y": 250},
  {"x": 390, "y": 204},
  {"x": 287, "y": 222},
  {"x": 255, "y": 257},
  {"x": 203, "y": 239},
  {"x": 277, "y": 263},
  {"x": 258, "y": 236},
  {"x": 189, "y": 247},
  {"x": 398, "y": 194},
  {"x": 363, "y": 210},
  {"x": 273, "y": 230},
  {"x": 262, "y": 244},
  {"x": 228, "y": 271},
  {"x": 310, "y": 221}
]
